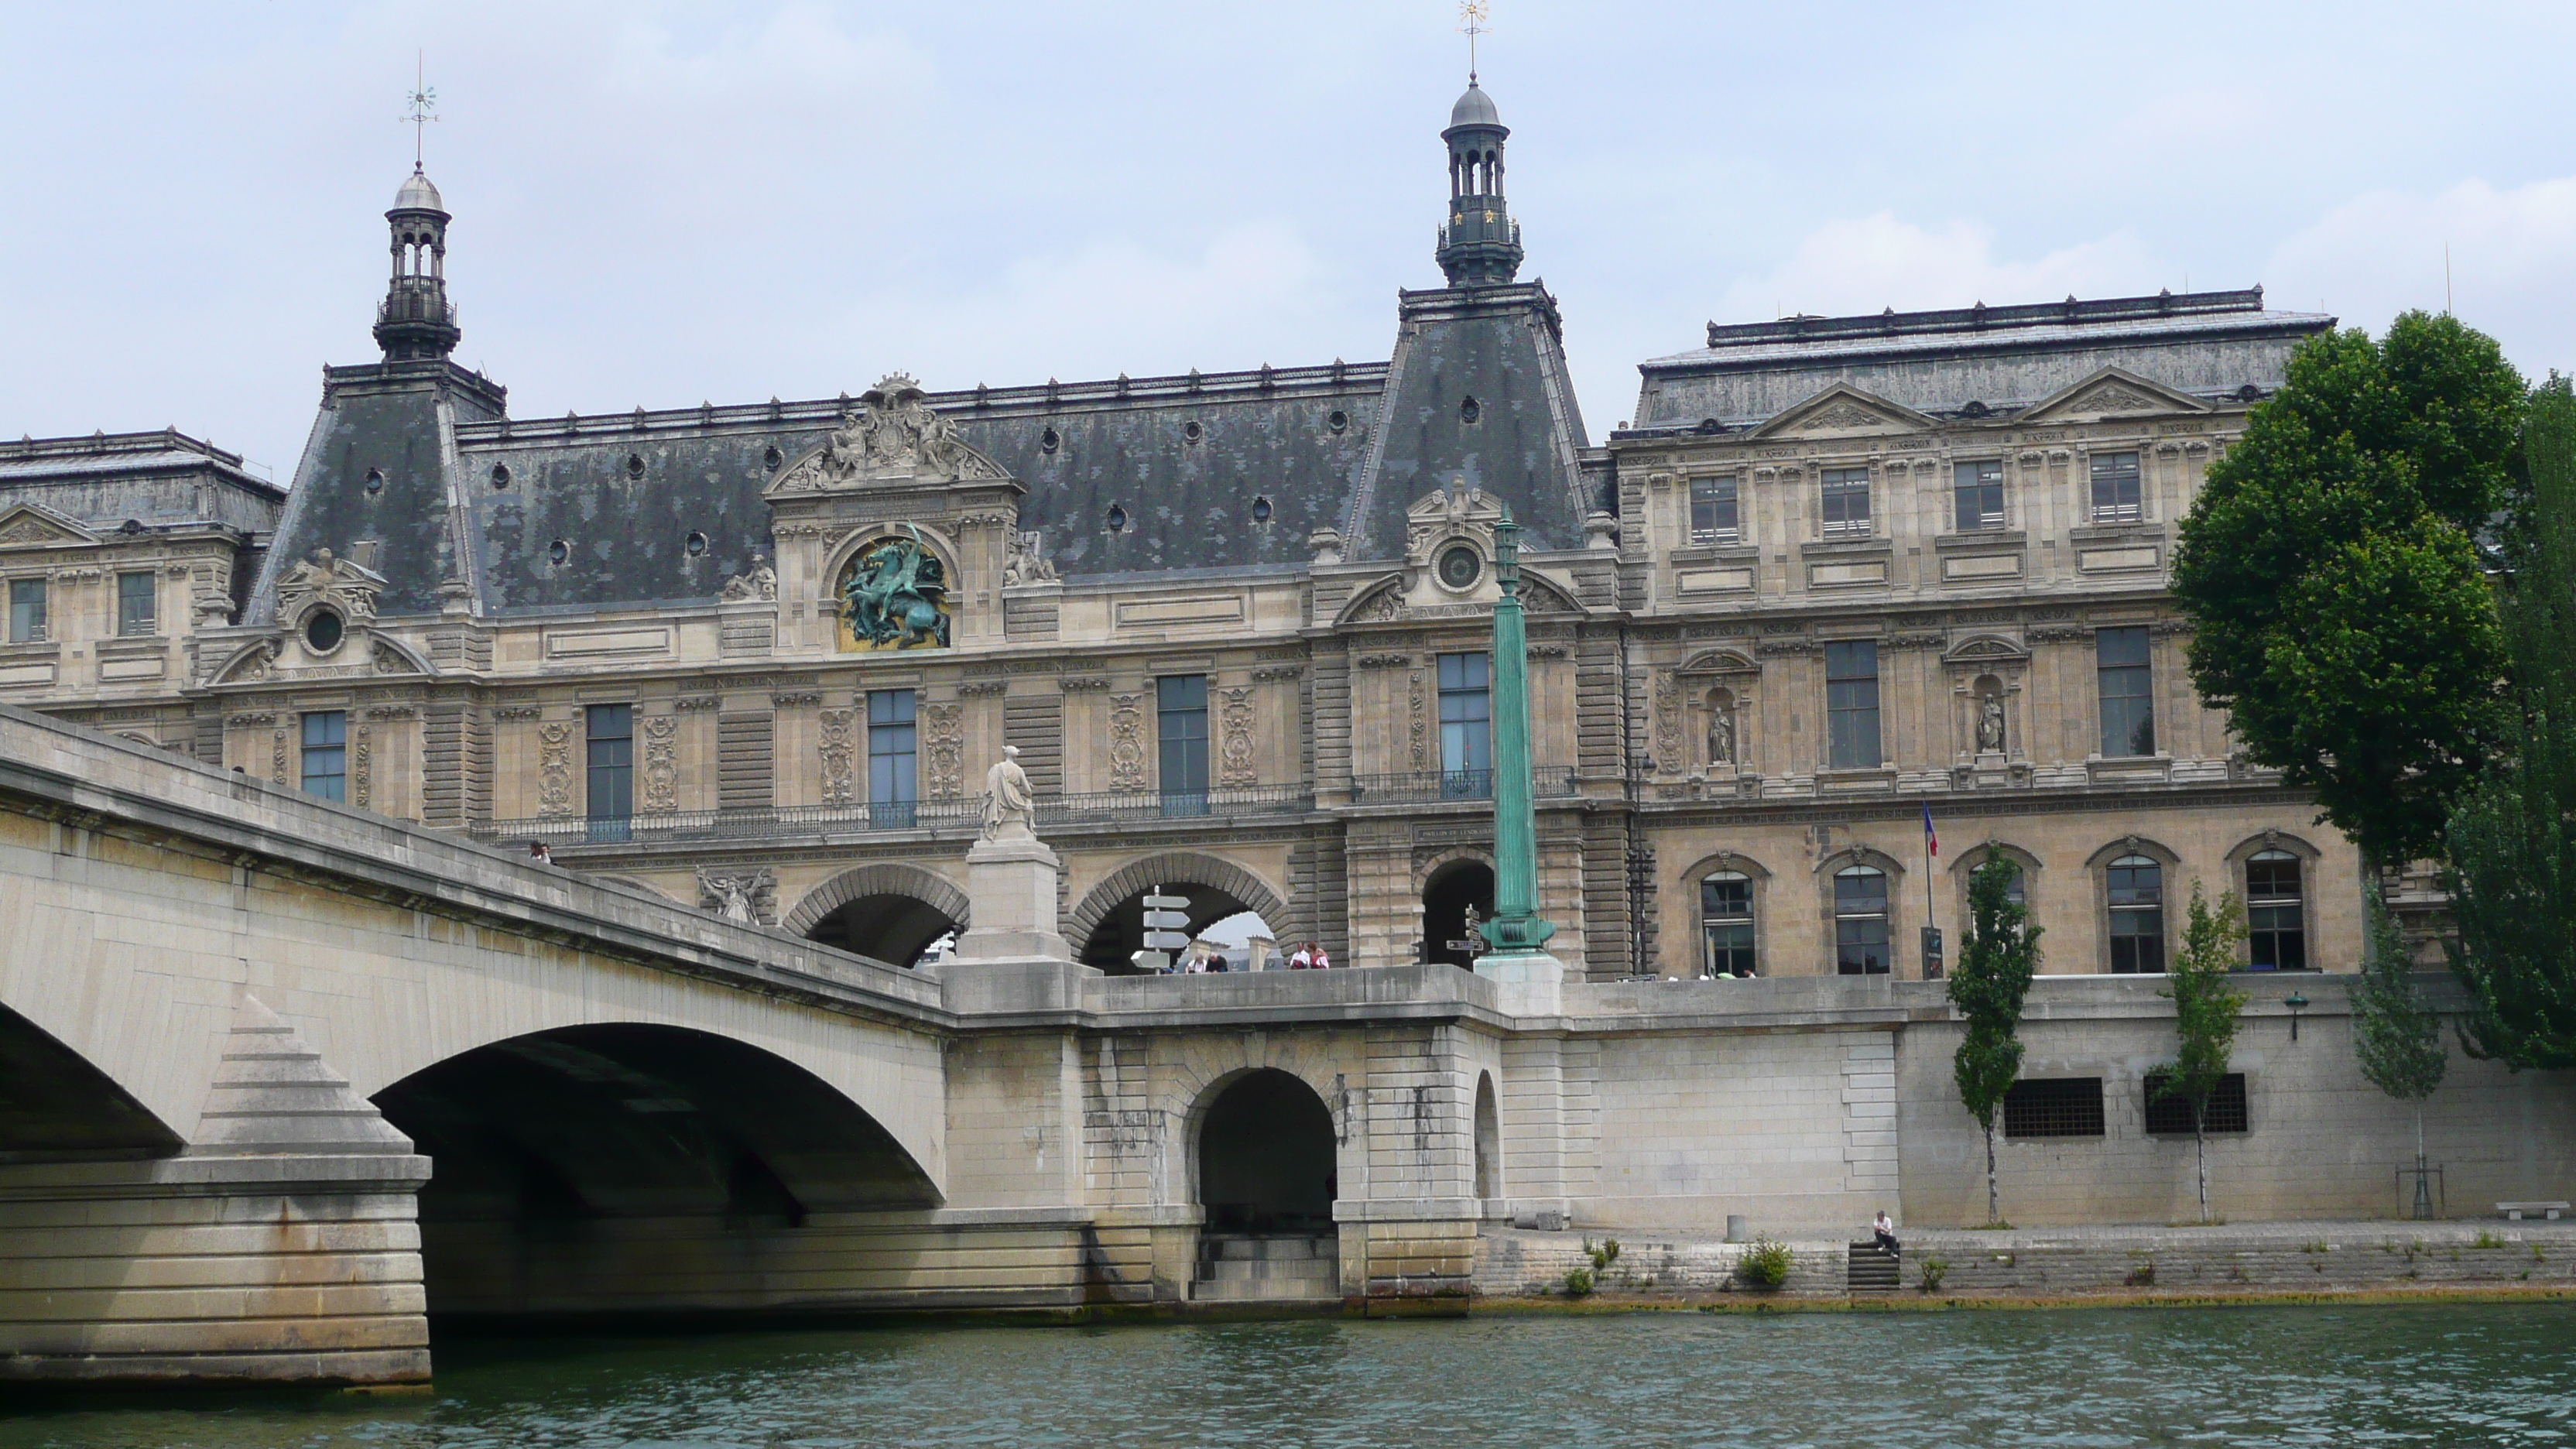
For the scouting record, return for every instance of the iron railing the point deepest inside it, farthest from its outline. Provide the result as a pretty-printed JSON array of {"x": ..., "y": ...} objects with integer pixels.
[
  {"x": 960, "y": 812},
  {"x": 1414, "y": 787}
]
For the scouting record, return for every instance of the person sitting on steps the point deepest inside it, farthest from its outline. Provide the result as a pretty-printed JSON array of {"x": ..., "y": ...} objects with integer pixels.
[{"x": 1885, "y": 1232}]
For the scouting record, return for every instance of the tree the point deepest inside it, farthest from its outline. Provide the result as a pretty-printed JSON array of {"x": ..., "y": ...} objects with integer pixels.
[
  {"x": 1996, "y": 962},
  {"x": 2206, "y": 1003},
  {"x": 2396, "y": 1036},
  {"x": 2331, "y": 569},
  {"x": 2513, "y": 835}
]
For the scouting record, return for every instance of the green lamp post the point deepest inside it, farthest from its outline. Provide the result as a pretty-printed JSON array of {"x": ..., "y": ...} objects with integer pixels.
[{"x": 1516, "y": 929}]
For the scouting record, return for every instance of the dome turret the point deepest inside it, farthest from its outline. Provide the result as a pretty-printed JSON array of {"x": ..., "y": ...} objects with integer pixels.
[
  {"x": 1481, "y": 245},
  {"x": 415, "y": 322}
]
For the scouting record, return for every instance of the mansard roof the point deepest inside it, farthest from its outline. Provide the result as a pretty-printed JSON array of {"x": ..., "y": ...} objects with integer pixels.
[
  {"x": 158, "y": 479},
  {"x": 1975, "y": 361}
]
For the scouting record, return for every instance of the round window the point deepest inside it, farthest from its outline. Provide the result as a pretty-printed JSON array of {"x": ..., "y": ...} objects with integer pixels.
[
  {"x": 323, "y": 631},
  {"x": 1461, "y": 566}
]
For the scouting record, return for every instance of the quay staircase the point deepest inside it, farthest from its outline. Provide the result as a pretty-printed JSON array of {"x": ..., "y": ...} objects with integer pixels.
[
  {"x": 1267, "y": 1267},
  {"x": 1871, "y": 1271}
]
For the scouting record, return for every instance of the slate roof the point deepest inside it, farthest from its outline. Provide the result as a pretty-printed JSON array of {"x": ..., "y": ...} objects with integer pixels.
[
  {"x": 2213, "y": 344},
  {"x": 160, "y": 478}
]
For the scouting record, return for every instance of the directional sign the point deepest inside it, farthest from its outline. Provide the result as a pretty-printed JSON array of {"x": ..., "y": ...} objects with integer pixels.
[
  {"x": 1166, "y": 921},
  {"x": 1165, "y": 941},
  {"x": 1167, "y": 903}
]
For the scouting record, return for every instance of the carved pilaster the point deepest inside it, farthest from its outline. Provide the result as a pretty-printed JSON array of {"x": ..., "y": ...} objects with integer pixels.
[
  {"x": 661, "y": 765},
  {"x": 840, "y": 749},
  {"x": 554, "y": 768},
  {"x": 1236, "y": 767},
  {"x": 945, "y": 743},
  {"x": 1126, "y": 742}
]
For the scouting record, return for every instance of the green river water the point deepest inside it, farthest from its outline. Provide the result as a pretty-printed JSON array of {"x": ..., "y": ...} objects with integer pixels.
[{"x": 2464, "y": 1374}]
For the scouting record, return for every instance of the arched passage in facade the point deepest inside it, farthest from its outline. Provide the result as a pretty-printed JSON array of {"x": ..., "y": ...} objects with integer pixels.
[
  {"x": 885, "y": 910},
  {"x": 1489, "y": 1139},
  {"x": 1447, "y": 894},
  {"x": 1109, "y": 923},
  {"x": 1265, "y": 1157},
  {"x": 572, "y": 1165},
  {"x": 56, "y": 1107}
]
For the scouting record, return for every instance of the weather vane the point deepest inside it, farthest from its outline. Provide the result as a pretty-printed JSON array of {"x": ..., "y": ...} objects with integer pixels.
[
  {"x": 424, "y": 109},
  {"x": 1471, "y": 23}
]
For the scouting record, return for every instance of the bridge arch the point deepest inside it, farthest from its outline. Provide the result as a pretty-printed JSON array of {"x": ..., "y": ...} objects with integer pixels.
[
  {"x": 57, "y": 1105},
  {"x": 1108, "y": 925},
  {"x": 885, "y": 909},
  {"x": 556, "y": 1151}
]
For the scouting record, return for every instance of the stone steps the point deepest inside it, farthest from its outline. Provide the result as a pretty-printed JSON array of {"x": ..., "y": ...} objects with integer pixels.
[
  {"x": 1870, "y": 1271},
  {"x": 1248, "y": 1268}
]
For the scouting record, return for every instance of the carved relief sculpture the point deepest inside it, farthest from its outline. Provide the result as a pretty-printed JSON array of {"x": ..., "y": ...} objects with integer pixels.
[
  {"x": 1024, "y": 564},
  {"x": 661, "y": 765},
  {"x": 1237, "y": 770},
  {"x": 748, "y": 897},
  {"x": 1668, "y": 721},
  {"x": 1126, "y": 742},
  {"x": 945, "y": 741},
  {"x": 325, "y": 578},
  {"x": 895, "y": 433},
  {"x": 840, "y": 750},
  {"x": 554, "y": 768},
  {"x": 1420, "y": 729},
  {"x": 362, "y": 769}
]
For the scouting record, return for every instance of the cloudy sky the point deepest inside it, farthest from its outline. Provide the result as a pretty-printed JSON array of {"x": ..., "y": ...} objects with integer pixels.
[{"x": 660, "y": 204}]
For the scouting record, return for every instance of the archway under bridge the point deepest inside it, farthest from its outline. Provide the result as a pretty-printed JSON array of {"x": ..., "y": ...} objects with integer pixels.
[
  {"x": 1109, "y": 923},
  {"x": 887, "y": 910},
  {"x": 1267, "y": 1177}
]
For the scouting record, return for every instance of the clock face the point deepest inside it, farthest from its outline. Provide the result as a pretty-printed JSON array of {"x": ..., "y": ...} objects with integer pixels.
[{"x": 1460, "y": 567}]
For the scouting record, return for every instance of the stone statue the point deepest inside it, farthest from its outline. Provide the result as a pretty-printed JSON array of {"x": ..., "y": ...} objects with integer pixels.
[
  {"x": 733, "y": 897},
  {"x": 1024, "y": 564},
  {"x": 1721, "y": 735},
  {"x": 895, "y": 433},
  {"x": 1008, "y": 805},
  {"x": 344, "y": 583},
  {"x": 893, "y": 596},
  {"x": 760, "y": 581},
  {"x": 1990, "y": 724}
]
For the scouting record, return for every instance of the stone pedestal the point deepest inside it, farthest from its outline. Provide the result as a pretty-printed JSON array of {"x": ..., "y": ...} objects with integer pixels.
[
  {"x": 1528, "y": 983},
  {"x": 1011, "y": 957},
  {"x": 1012, "y": 883}
]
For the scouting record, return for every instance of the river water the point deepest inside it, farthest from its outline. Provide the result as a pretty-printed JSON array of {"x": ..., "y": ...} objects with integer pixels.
[{"x": 2372, "y": 1375}]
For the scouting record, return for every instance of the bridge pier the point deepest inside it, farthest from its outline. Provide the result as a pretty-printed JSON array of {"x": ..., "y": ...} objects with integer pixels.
[{"x": 282, "y": 1247}]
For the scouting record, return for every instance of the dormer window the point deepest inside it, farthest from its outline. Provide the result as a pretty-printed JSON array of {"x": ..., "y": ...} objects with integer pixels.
[{"x": 1713, "y": 516}]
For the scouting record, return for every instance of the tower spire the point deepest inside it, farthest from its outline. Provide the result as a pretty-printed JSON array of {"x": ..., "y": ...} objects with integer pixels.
[
  {"x": 1471, "y": 23},
  {"x": 1481, "y": 245},
  {"x": 424, "y": 106},
  {"x": 415, "y": 322}
]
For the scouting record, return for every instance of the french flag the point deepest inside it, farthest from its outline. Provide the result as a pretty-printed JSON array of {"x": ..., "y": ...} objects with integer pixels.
[{"x": 1931, "y": 837}]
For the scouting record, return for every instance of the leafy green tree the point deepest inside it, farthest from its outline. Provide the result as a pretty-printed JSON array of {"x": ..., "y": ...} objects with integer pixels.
[
  {"x": 2396, "y": 1036},
  {"x": 1996, "y": 962},
  {"x": 2206, "y": 1006},
  {"x": 2513, "y": 836},
  {"x": 2337, "y": 593}
]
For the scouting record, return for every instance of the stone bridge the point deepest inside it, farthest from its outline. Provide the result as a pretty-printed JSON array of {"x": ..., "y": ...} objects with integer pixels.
[{"x": 283, "y": 1084}]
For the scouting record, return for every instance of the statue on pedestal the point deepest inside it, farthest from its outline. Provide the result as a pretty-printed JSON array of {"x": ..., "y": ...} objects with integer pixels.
[
  {"x": 1990, "y": 724},
  {"x": 1009, "y": 806}
]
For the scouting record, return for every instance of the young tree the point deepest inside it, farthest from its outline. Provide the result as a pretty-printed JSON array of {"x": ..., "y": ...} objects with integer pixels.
[
  {"x": 2513, "y": 836},
  {"x": 2206, "y": 1003},
  {"x": 2330, "y": 566},
  {"x": 1996, "y": 962},
  {"x": 2396, "y": 1036}
]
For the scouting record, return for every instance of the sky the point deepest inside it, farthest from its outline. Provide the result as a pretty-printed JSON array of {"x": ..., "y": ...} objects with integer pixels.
[{"x": 661, "y": 204}]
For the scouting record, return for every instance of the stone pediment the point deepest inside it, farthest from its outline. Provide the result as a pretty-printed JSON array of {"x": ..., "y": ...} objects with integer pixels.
[
  {"x": 1446, "y": 513},
  {"x": 324, "y": 578},
  {"x": 1987, "y": 649},
  {"x": 1719, "y": 661},
  {"x": 894, "y": 437},
  {"x": 30, "y": 525},
  {"x": 1843, "y": 411},
  {"x": 2109, "y": 393}
]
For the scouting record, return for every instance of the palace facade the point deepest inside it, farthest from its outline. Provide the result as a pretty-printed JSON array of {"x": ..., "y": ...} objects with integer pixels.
[{"x": 1837, "y": 576}]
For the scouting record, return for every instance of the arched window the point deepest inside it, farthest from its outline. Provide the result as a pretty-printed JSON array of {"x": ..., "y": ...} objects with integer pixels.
[
  {"x": 2137, "y": 889},
  {"x": 1726, "y": 923},
  {"x": 2275, "y": 912},
  {"x": 1860, "y": 921}
]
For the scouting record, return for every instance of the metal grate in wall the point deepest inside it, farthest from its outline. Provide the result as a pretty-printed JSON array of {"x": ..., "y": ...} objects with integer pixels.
[
  {"x": 2171, "y": 1116},
  {"x": 2054, "y": 1107}
]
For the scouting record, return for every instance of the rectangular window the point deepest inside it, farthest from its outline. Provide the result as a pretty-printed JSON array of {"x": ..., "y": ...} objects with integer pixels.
[
  {"x": 2137, "y": 889},
  {"x": 1181, "y": 735},
  {"x": 1860, "y": 922},
  {"x": 1846, "y": 503},
  {"x": 136, "y": 594},
  {"x": 2128, "y": 691},
  {"x": 326, "y": 754},
  {"x": 612, "y": 762},
  {"x": 1980, "y": 496},
  {"x": 2275, "y": 920},
  {"x": 26, "y": 611},
  {"x": 1726, "y": 923},
  {"x": 2116, "y": 495},
  {"x": 1466, "y": 726},
  {"x": 894, "y": 776},
  {"x": 1712, "y": 505},
  {"x": 1851, "y": 703},
  {"x": 2170, "y": 1116},
  {"x": 2054, "y": 1107}
]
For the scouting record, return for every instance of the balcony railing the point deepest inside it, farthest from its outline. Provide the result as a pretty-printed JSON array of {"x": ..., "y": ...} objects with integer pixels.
[
  {"x": 962, "y": 812},
  {"x": 1414, "y": 787}
]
